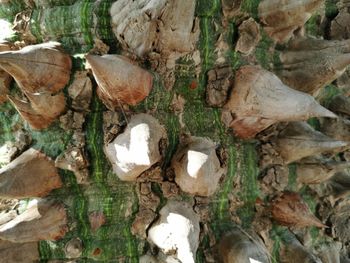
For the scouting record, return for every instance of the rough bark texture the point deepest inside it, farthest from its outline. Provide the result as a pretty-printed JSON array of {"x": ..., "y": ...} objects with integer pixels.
[{"x": 190, "y": 56}]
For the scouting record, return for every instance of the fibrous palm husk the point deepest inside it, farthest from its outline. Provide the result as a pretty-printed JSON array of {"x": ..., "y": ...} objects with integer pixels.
[
  {"x": 119, "y": 80},
  {"x": 309, "y": 64},
  {"x": 32, "y": 174},
  {"x": 281, "y": 18},
  {"x": 42, "y": 220},
  {"x": 259, "y": 99}
]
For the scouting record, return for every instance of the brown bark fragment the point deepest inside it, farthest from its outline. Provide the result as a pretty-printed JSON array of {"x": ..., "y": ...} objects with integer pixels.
[
  {"x": 32, "y": 174},
  {"x": 309, "y": 64},
  {"x": 299, "y": 140},
  {"x": 220, "y": 81},
  {"x": 119, "y": 80},
  {"x": 259, "y": 99},
  {"x": 249, "y": 36},
  {"x": 237, "y": 246},
  {"x": 80, "y": 91},
  {"x": 19, "y": 253},
  {"x": 281, "y": 18},
  {"x": 289, "y": 209},
  {"x": 137, "y": 148},
  {"x": 197, "y": 167},
  {"x": 43, "y": 220},
  {"x": 316, "y": 173}
]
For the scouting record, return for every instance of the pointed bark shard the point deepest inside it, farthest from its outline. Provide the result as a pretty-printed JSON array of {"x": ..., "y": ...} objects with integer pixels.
[
  {"x": 299, "y": 140},
  {"x": 336, "y": 128},
  {"x": 41, "y": 110},
  {"x": 32, "y": 174},
  {"x": 238, "y": 247},
  {"x": 137, "y": 148},
  {"x": 43, "y": 220},
  {"x": 38, "y": 68},
  {"x": 338, "y": 186},
  {"x": 19, "y": 253},
  {"x": 340, "y": 104},
  {"x": 119, "y": 80},
  {"x": 177, "y": 230},
  {"x": 197, "y": 167},
  {"x": 289, "y": 209},
  {"x": 310, "y": 64},
  {"x": 281, "y": 18},
  {"x": 259, "y": 99},
  {"x": 316, "y": 173},
  {"x": 41, "y": 72}
]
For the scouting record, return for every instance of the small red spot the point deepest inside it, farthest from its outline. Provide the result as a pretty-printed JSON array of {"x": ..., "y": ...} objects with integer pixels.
[
  {"x": 96, "y": 252},
  {"x": 193, "y": 85}
]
